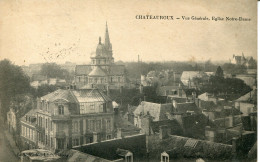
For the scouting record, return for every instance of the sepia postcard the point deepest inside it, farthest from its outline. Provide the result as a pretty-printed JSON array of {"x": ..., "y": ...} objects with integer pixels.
[{"x": 128, "y": 81}]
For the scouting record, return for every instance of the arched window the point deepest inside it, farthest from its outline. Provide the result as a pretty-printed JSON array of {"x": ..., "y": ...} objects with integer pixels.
[{"x": 61, "y": 109}]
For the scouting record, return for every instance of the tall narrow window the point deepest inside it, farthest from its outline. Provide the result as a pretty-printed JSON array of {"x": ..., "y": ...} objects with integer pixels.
[
  {"x": 61, "y": 109},
  {"x": 108, "y": 125}
]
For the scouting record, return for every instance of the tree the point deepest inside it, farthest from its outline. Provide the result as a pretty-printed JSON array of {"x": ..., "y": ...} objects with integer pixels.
[
  {"x": 52, "y": 70},
  {"x": 234, "y": 69},
  {"x": 228, "y": 88},
  {"x": 43, "y": 90},
  {"x": 13, "y": 82}
]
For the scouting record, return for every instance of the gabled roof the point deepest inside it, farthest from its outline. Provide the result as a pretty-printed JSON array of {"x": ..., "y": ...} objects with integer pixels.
[
  {"x": 187, "y": 106},
  {"x": 82, "y": 69},
  {"x": 60, "y": 94},
  {"x": 97, "y": 71},
  {"x": 157, "y": 111},
  {"x": 251, "y": 96}
]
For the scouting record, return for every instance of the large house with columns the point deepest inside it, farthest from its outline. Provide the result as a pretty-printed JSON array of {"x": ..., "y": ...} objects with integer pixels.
[{"x": 102, "y": 72}]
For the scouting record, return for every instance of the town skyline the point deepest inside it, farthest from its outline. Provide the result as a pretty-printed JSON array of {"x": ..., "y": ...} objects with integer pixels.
[{"x": 32, "y": 35}]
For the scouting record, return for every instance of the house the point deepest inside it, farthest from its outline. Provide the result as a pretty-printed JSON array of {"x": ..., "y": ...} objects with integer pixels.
[
  {"x": 187, "y": 107},
  {"x": 239, "y": 60},
  {"x": 69, "y": 117},
  {"x": 28, "y": 130},
  {"x": 247, "y": 103},
  {"x": 249, "y": 62},
  {"x": 18, "y": 108},
  {"x": 169, "y": 90},
  {"x": 187, "y": 78},
  {"x": 155, "y": 110},
  {"x": 102, "y": 71},
  {"x": 12, "y": 121}
]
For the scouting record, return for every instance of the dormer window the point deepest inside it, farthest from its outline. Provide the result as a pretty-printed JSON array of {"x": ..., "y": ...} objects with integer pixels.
[
  {"x": 164, "y": 157},
  {"x": 61, "y": 109}
]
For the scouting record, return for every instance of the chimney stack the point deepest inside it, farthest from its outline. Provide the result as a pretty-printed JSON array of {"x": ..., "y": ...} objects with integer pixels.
[{"x": 163, "y": 132}]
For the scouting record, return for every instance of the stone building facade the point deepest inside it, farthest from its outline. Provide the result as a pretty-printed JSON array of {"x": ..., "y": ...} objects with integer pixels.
[{"x": 67, "y": 118}]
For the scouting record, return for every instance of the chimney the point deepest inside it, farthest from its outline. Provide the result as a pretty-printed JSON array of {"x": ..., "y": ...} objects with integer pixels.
[
  {"x": 163, "y": 132},
  {"x": 119, "y": 133},
  {"x": 145, "y": 124},
  {"x": 253, "y": 122},
  {"x": 210, "y": 134},
  {"x": 235, "y": 145}
]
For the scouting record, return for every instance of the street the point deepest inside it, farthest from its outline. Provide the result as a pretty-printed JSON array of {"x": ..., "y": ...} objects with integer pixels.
[{"x": 6, "y": 153}]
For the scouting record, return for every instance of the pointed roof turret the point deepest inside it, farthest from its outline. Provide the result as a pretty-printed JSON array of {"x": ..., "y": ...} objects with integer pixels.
[{"x": 107, "y": 40}]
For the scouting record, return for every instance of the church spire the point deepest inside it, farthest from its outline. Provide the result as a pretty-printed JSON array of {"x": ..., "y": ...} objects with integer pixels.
[{"x": 107, "y": 40}]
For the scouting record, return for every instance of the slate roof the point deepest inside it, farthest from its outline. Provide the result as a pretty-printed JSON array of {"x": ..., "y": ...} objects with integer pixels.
[
  {"x": 77, "y": 156},
  {"x": 248, "y": 97},
  {"x": 175, "y": 145},
  {"x": 31, "y": 113},
  {"x": 60, "y": 94},
  {"x": 187, "y": 106},
  {"x": 97, "y": 71},
  {"x": 157, "y": 111},
  {"x": 90, "y": 95},
  {"x": 82, "y": 69}
]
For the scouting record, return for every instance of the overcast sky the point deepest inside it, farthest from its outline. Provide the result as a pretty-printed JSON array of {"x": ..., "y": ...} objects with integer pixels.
[{"x": 68, "y": 30}]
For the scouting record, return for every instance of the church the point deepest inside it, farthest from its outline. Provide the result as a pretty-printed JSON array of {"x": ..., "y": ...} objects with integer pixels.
[{"x": 102, "y": 73}]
